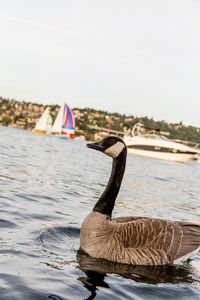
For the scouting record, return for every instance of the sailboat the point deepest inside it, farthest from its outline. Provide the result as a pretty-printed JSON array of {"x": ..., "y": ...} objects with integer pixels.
[
  {"x": 44, "y": 124},
  {"x": 64, "y": 125}
]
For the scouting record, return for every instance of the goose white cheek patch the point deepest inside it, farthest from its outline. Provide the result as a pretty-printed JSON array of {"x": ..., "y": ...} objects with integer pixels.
[{"x": 115, "y": 150}]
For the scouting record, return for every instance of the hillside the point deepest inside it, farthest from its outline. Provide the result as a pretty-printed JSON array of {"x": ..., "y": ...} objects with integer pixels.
[{"x": 24, "y": 115}]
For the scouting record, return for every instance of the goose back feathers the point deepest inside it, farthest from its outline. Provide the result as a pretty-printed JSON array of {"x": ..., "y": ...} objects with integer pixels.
[{"x": 133, "y": 240}]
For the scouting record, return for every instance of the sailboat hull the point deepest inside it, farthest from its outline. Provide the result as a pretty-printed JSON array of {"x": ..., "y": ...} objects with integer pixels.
[{"x": 39, "y": 131}]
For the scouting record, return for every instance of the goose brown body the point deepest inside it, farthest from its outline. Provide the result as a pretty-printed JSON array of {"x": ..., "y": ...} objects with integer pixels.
[
  {"x": 138, "y": 240},
  {"x": 135, "y": 240}
]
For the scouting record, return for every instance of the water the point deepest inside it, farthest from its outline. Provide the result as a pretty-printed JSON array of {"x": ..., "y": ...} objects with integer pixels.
[{"x": 48, "y": 185}]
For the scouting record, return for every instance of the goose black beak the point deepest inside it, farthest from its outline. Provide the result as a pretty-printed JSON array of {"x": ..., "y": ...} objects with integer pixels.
[{"x": 96, "y": 146}]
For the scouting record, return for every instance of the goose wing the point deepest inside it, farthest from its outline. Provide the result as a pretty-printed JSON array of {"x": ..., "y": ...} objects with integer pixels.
[
  {"x": 154, "y": 241},
  {"x": 127, "y": 219}
]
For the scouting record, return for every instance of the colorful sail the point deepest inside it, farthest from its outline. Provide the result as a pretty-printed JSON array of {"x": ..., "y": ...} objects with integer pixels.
[
  {"x": 64, "y": 124},
  {"x": 68, "y": 126}
]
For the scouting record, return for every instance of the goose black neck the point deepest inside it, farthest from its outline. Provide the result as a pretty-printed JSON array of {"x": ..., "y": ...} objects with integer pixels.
[{"x": 106, "y": 202}]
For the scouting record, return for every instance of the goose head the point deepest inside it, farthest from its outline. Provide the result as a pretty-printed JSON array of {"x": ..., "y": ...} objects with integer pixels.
[{"x": 111, "y": 146}]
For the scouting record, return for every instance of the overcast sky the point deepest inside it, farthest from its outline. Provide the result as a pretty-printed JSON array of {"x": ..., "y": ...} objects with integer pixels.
[{"x": 134, "y": 57}]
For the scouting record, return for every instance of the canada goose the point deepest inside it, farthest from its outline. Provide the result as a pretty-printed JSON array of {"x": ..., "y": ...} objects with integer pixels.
[{"x": 133, "y": 240}]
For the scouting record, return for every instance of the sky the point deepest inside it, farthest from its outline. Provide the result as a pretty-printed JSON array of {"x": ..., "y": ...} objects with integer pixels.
[{"x": 139, "y": 58}]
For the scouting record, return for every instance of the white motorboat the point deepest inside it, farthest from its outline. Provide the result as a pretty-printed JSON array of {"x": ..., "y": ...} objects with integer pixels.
[{"x": 156, "y": 146}]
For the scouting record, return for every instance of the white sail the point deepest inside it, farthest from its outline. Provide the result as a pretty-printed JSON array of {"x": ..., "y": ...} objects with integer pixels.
[
  {"x": 57, "y": 126},
  {"x": 45, "y": 122},
  {"x": 49, "y": 123}
]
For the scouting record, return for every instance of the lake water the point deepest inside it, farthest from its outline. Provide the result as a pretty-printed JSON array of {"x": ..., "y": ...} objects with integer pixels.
[{"x": 47, "y": 187}]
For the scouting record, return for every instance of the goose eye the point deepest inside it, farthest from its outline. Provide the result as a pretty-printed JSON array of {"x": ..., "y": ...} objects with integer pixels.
[{"x": 112, "y": 141}]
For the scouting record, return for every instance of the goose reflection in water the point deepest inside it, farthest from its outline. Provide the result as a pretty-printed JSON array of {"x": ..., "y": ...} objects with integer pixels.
[{"x": 96, "y": 270}]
